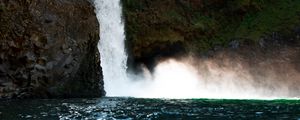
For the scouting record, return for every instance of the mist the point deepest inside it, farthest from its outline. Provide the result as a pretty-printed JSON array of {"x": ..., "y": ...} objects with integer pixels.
[{"x": 226, "y": 74}]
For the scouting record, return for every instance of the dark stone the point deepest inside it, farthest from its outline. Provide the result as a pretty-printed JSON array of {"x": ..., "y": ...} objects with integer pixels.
[{"x": 47, "y": 51}]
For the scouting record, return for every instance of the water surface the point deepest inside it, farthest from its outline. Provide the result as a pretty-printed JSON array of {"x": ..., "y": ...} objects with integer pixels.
[{"x": 134, "y": 108}]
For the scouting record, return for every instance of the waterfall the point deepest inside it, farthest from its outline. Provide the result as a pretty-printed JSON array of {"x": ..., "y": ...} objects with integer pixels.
[
  {"x": 187, "y": 78},
  {"x": 111, "y": 45}
]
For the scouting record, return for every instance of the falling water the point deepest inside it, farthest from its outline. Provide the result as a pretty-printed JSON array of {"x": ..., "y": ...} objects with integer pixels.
[
  {"x": 111, "y": 45},
  {"x": 184, "y": 79}
]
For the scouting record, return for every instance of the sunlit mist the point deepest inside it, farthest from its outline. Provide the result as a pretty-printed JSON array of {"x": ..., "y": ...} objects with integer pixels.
[
  {"x": 173, "y": 79},
  {"x": 194, "y": 78}
]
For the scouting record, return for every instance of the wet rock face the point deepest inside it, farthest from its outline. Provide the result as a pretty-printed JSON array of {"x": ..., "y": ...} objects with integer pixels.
[
  {"x": 156, "y": 29},
  {"x": 48, "y": 48}
]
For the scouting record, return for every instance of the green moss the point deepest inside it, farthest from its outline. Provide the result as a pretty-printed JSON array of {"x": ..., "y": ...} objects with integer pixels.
[
  {"x": 2, "y": 8},
  {"x": 275, "y": 16},
  {"x": 202, "y": 25}
]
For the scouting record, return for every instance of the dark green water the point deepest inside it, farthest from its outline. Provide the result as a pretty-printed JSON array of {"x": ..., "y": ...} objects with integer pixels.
[{"x": 132, "y": 108}]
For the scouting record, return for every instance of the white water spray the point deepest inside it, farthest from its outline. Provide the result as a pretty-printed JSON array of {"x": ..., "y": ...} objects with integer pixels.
[{"x": 177, "y": 79}]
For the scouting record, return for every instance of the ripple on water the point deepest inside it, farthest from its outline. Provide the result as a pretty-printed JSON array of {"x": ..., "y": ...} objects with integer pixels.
[{"x": 131, "y": 108}]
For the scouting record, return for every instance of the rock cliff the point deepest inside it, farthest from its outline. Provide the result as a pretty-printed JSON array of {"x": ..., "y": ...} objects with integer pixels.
[
  {"x": 48, "y": 49},
  {"x": 158, "y": 28}
]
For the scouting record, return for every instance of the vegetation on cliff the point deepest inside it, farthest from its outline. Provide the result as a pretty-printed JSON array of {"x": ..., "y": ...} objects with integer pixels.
[{"x": 201, "y": 25}]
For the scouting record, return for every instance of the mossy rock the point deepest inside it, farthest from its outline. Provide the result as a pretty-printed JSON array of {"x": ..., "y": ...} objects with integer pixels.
[{"x": 201, "y": 25}]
